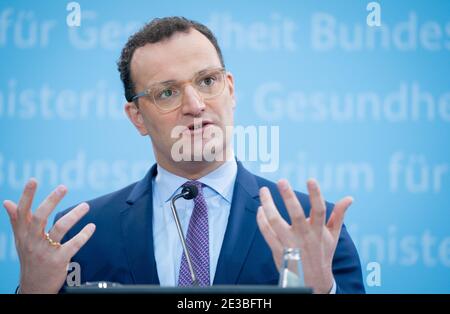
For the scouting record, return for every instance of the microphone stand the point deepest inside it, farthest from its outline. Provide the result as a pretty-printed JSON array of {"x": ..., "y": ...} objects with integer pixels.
[{"x": 181, "y": 235}]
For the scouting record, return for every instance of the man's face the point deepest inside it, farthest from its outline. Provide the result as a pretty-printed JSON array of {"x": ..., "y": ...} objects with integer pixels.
[{"x": 178, "y": 59}]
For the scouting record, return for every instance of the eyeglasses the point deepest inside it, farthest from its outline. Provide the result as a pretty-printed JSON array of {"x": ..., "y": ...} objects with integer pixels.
[{"x": 167, "y": 96}]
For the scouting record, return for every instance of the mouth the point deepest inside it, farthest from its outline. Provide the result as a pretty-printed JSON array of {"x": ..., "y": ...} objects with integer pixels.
[{"x": 199, "y": 125}]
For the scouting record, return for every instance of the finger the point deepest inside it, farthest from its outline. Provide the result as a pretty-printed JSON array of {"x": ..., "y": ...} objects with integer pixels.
[
  {"x": 293, "y": 206},
  {"x": 71, "y": 247},
  {"x": 337, "y": 216},
  {"x": 49, "y": 204},
  {"x": 267, "y": 232},
  {"x": 269, "y": 235},
  {"x": 276, "y": 222},
  {"x": 66, "y": 222},
  {"x": 39, "y": 218},
  {"x": 23, "y": 208},
  {"x": 11, "y": 209},
  {"x": 317, "y": 204}
]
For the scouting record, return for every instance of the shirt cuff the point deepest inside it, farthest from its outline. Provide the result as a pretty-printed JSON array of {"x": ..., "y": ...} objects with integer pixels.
[{"x": 333, "y": 288}]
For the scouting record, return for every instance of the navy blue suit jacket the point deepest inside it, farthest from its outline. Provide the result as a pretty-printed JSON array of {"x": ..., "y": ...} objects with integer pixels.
[{"x": 121, "y": 249}]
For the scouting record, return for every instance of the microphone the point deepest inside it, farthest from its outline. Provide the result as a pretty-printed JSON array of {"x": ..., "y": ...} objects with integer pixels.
[{"x": 188, "y": 192}]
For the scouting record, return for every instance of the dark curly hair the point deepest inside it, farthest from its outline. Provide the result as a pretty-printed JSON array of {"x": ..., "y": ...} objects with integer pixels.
[{"x": 155, "y": 31}]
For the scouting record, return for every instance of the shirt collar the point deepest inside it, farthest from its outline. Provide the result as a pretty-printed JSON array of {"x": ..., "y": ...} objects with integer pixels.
[{"x": 221, "y": 180}]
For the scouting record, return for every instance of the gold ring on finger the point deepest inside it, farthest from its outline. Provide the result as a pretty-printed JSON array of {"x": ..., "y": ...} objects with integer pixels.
[{"x": 51, "y": 241}]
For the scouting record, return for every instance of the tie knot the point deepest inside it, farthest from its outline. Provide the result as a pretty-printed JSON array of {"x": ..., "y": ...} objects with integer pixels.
[{"x": 198, "y": 184}]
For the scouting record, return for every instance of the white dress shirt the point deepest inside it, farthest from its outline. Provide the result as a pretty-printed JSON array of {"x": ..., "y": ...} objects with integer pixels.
[{"x": 218, "y": 192}]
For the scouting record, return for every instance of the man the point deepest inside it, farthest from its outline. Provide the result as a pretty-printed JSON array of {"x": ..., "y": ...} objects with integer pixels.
[{"x": 173, "y": 74}]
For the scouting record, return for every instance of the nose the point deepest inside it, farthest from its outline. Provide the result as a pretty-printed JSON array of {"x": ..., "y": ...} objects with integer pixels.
[{"x": 192, "y": 104}]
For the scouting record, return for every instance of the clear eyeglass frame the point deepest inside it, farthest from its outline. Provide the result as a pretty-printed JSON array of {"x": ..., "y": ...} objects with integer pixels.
[{"x": 154, "y": 91}]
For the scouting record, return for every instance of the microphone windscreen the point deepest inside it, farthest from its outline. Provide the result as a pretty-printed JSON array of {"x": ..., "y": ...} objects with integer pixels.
[{"x": 189, "y": 192}]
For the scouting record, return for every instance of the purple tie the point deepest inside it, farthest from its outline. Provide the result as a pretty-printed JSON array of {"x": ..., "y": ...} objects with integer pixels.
[{"x": 197, "y": 242}]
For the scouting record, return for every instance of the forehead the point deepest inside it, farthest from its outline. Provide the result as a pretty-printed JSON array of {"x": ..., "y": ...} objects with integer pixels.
[{"x": 176, "y": 58}]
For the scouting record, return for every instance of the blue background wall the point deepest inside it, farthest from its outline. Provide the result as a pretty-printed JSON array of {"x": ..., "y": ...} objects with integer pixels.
[{"x": 365, "y": 110}]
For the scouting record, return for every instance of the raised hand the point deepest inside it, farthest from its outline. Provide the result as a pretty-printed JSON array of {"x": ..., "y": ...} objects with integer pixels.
[
  {"x": 316, "y": 239},
  {"x": 43, "y": 260}
]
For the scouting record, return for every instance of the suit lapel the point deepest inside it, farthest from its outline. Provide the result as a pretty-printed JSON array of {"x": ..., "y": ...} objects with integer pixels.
[
  {"x": 137, "y": 231},
  {"x": 240, "y": 229}
]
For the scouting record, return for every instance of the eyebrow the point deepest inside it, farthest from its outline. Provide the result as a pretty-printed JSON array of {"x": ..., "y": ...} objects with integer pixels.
[{"x": 198, "y": 73}]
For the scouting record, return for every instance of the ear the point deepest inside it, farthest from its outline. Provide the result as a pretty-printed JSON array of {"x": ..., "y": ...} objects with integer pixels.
[
  {"x": 135, "y": 117},
  {"x": 230, "y": 85}
]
